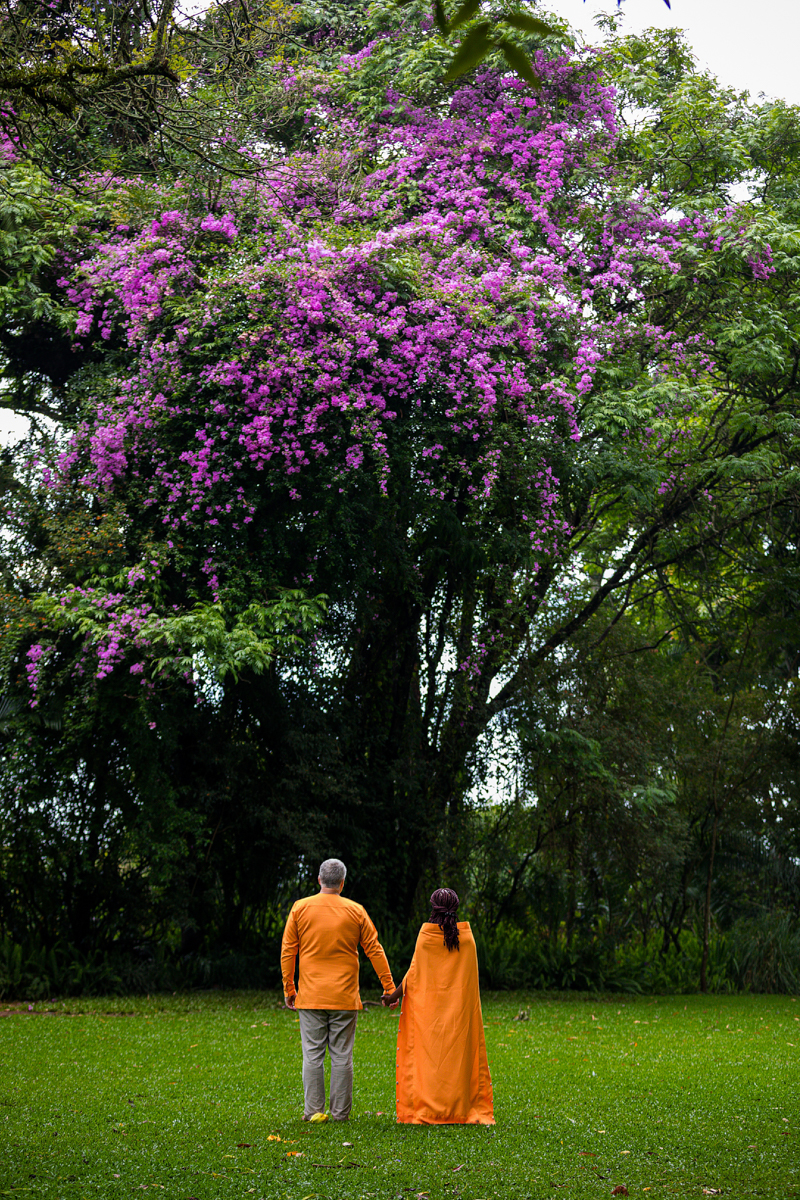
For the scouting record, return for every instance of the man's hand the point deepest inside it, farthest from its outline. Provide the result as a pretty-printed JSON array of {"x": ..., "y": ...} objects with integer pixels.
[
  {"x": 289, "y": 1001},
  {"x": 392, "y": 999}
]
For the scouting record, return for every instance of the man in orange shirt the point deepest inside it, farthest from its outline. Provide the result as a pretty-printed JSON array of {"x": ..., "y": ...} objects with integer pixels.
[{"x": 326, "y": 931}]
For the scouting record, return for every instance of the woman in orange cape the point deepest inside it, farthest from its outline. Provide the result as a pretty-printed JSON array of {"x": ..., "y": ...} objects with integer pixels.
[{"x": 442, "y": 1072}]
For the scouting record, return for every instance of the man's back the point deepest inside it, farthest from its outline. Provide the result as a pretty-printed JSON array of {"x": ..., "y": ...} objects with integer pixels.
[{"x": 327, "y": 929}]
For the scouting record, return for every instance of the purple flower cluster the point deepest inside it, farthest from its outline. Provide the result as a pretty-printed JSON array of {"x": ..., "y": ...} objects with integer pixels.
[
  {"x": 37, "y": 655},
  {"x": 222, "y": 225},
  {"x": 117, "y": 626}
]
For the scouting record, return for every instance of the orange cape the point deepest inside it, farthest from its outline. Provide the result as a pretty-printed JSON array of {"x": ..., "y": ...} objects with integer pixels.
[{"x": 442, "y": 1072}]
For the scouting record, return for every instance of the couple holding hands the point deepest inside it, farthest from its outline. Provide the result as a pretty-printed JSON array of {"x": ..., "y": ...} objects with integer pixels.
[{"x": 442, "y": 1071}]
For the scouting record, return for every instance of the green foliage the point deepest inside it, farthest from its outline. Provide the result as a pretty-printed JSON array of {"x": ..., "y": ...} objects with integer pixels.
[
  {"x": 487, "y": 35},
  {"x": 756, "y": 955},
  {"x": 139, "y": 88},
  {"x": 34, "y": 222},
  {"x": 31, "y": 970},
  {"x": 766, "y": 952},
  {"x": 676, "y": 969},
  {"x": 510, "y": 959},
  {"x": 38, "y": 222},
  {"x": 257, "y": 635},
  {"x": 61, "y": 60},
  {"x": 204, "y": 639}
]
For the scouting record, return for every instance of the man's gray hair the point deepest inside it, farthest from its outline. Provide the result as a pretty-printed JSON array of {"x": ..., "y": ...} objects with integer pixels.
[{"x": 332, "y": 872}]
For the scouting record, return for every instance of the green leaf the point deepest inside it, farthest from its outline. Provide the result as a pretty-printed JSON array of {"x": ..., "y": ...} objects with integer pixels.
[
  {"x": 440, "y": 18},
  {"x": 520, "y": 63},
  {"x": 521, "y": 20},
  {"x": 473, "y": 49},
  {"x": 465, "y": 13}
]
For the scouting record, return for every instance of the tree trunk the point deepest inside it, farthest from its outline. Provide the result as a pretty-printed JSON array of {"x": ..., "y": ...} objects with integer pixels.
[{"x": 707, "y": 910}]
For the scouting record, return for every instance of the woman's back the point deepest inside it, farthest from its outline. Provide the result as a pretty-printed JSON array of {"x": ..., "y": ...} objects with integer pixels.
[{"x": 442, "y": 1071}]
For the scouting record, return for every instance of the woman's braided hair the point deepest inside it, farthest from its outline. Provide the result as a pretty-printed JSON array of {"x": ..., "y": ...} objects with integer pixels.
[{"x": 444, "y": 905}]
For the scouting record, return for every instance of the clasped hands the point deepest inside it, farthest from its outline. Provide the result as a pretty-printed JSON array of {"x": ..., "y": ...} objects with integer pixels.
[
  {"x": 392, "y": 999},
  {"x": 388, "y": 999}
]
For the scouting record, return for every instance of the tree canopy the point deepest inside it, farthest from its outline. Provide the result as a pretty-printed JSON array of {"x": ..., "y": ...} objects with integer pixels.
[{"x": 459, "y": 429}]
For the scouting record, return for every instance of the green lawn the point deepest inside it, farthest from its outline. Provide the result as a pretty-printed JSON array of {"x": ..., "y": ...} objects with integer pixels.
[{"x": 199, "y": 1096}]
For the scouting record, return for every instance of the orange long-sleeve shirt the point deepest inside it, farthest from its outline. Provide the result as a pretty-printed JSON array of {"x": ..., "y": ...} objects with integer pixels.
[{"x": 326, "y": 931}]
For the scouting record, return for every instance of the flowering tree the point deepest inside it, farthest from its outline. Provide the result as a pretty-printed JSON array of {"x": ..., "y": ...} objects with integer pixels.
[{"x": 411, "y": 368}]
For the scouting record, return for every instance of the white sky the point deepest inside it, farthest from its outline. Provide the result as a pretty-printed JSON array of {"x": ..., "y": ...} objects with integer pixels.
[{"x": 749, "y": 44}]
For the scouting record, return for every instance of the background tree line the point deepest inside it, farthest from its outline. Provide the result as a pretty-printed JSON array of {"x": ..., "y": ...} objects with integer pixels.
[{"x": 613, "y": 787}]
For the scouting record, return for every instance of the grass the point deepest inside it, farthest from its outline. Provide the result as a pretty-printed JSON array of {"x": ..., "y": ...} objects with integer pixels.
[{"x": 199, "y": 1096}]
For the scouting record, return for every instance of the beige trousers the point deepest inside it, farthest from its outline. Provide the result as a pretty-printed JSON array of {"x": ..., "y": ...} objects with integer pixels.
[{"x": 322, "y": 1028}]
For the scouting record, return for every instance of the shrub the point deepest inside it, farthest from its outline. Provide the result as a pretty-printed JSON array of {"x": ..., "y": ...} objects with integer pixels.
[{"x": 766, "y": 953}]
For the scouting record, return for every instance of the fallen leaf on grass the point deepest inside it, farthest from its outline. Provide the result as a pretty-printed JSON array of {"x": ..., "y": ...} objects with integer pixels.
[
  {"x": 274, "y": 1137},
  {"x": 619, "y": 1190},
  {"x": 294, "y": 1153},
  {"x": 459, "y": 1168},
  {"x": 712, "y": 1191}
]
